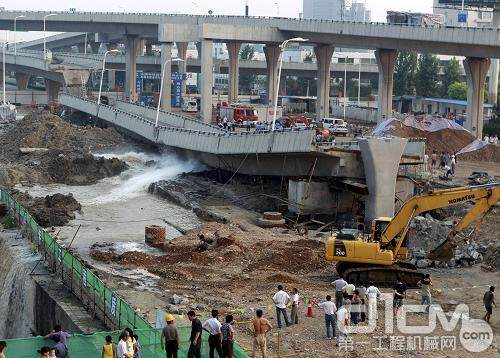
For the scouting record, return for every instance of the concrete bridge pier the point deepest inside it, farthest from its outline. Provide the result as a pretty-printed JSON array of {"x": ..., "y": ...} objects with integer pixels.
[
  {"x": 386, "y": 60},
  {"x": 22, "y": 80},
  {"x": 381, "y": 174},
  {"x": 493, "y": 84},
  {"x": 272, "y": 53},
  {"x": 324, "y": 55},
  {"x": 166, "y": 67},
  {"x": 207, "y": 62},
  {"x": 476, "y": 70},
  {"x": 182, "y": 54},
  {"x": 233, "y": 48},
  {"x": 52, "y": 88},
  {"x": 131, "y": 44}
]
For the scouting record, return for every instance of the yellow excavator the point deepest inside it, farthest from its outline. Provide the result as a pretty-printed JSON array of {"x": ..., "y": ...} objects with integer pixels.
[{"x": 382, "y": 256}]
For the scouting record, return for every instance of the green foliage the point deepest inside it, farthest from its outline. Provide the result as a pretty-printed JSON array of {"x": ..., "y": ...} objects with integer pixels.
[
  {"x": 247, "y": 52},
  {"x": 9, "y": 222},
  {"x": 451, "y": 74},
  {"x": 492, "y": 127},
  {"x": 405, "y": 73},
  {"x": 427, "y": 84},
  {"x": 457, "y": 90}
]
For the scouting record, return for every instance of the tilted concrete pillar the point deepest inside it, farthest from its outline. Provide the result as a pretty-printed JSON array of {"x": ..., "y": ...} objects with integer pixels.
[
  {"x": 166, "y": 55},
  {"x": 233, "y": 48},
  {"x": 52, "y": 88},
  {"x": 182, "y": 54},
  {"x": 112, "y": 79},
  {"x": 75, "y": 81},
  {"x": 272, "y": 53},
  {"x": 476, "y": 70},
  {"x": 386, "y": 60},
  {"x": 493, "y": 83},
  {"x": 22, "y": 80},
  {"x": 207, "y": 62},
  {"x": 381, "y": 157},
  {"x": 324, "y": 55},
  {"x": 131, "y": 43}
]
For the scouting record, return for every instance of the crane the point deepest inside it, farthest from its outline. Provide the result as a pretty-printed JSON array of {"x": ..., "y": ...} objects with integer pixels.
[{"x": 382, "y": 256}]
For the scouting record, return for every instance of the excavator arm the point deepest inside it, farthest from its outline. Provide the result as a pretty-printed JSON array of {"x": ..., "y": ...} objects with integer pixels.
[{"x": 484, "y": 196}]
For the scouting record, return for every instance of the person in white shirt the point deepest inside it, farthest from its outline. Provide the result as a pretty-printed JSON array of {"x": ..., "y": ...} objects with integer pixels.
[
  {"x": 295, "y": 303},
  {"x": 281, "y": 299},
  {"x": 122, "y": 351},
  {"x": 486, "y": 139},
  {"x": 372, "y": 294},
  {"x": 339, "y": 295},
  {"x": 343, "y": 319},
  {"x": 212, "y": 325},
  {"x": 330, "y": 311},
  {"x": 348, "y": 290}
]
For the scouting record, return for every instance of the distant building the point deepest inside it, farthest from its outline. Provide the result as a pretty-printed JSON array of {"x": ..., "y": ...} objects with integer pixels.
[
  {"x": 476, "y": 17},
  {"x": 323, "y": 9}
]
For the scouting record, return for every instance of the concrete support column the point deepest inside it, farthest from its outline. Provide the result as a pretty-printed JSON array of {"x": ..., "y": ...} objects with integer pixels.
[
  {"x": 131, "y": 44},
  {"x": 166, "y": 55},
  {"x": 141, "y": 47},
  {"x": 52, "y": 88},
  {"x": 272, "y": 53},
  {"x": 324, "y": 55},
  {"x": 476, "y": 70},
  {"x": 207, "y": 62},
  {"x": 493, "y": 83},
  {"x": 182, "y": 54},
  {"x": 112, "y": 79},
  {"x": 198, "y": 79},
  {"x": 381, "y": 174},
  {"x": 233, "y": 48},
  {"x": 149, "y": 48},
  {"x": 95, "y": 46},
  {"x": 386, "y": 60},
  {"x": 22, "y": 80}
]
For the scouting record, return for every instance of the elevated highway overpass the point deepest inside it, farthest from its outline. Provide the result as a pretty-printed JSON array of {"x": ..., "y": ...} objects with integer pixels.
[{"x": 478, "y": 45}]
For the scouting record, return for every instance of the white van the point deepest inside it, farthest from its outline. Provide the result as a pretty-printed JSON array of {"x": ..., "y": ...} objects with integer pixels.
[
  {"x": 335, "y": 125},
  {"x": 190, "y": 105}
]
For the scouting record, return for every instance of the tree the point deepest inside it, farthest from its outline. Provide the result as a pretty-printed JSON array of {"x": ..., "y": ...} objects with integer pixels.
[
  {"x": 247, "y": 52},
  {"x": 457, "y": 90},
  {"x": 427, "y": 84},
  {"x": 451, "y": 74},
  {"x": 405, "y": 73}
]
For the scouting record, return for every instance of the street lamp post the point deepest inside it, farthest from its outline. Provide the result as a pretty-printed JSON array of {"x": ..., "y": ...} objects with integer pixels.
[
  {"x": 282, "y": 48},
  {"x": 359, "y": 83},
  {"x": 85, "y": 48},
  {"x": 345, "y": 82},
  {"x": 102, "y": 73},
  {"x": 161, "y": 86},
  {"x": 15, "y": 42},
  {"x": 3, "y": 71},
  {"x": 45, "y": 36}
]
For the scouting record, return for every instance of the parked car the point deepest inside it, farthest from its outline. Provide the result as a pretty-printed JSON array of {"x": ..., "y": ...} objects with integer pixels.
[{"x": 336, "y": 126}]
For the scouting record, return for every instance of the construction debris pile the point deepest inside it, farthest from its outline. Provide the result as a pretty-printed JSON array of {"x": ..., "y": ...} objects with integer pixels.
[
  {"x": 223, "y": 255},
  {"x": 427, "y": 233},
  {"x": 52, "y": 210},
  {"x": 442, "y": 136},
  {"x": 43, "y": 148}
]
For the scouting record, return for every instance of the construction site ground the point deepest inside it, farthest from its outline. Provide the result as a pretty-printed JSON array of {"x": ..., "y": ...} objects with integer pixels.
[{"x": 234, "y": 265}]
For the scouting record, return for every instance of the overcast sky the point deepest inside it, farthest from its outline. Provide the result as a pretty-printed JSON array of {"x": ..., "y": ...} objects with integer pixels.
[{"x": 287, "y": 8}]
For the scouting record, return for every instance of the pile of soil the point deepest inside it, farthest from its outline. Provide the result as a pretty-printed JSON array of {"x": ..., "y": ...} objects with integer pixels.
[
  {"x": 490, "y": 153},
  {"x": 43, "y": 148},
  {"x": 52, "y": 210},
  {"x": 223, "y": 255},
  {"x": 445, "y": 140}
]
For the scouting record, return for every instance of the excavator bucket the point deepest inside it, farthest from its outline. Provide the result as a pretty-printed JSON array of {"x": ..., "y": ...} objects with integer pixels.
[{"x": 444, "y": 251}]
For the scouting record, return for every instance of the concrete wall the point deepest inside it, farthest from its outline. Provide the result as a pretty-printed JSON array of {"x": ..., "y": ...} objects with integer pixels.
[
  {"x": 27, "y": 97},
  {"x": 361, "y": 114}
]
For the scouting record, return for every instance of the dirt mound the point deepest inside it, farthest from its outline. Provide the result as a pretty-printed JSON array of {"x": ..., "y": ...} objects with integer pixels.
[
  {"x": 445, "y": 140},
  {"x": 52, "y": 210},
  {"x": 43, "y": 148},
  {"x": 489, "y": 153},
  {"x": 45, "y": 130}
]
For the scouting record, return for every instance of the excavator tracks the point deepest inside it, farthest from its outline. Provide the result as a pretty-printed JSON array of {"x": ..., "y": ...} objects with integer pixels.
[{"x": 382, "y": 276}]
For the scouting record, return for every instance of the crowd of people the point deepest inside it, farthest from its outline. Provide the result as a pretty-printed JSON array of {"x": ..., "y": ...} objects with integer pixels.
[
  {"x": 447, "y": 163},
  {"x": 491, "y": 140}
]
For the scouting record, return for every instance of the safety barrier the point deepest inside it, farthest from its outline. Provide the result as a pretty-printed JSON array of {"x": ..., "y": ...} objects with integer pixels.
[{"x": 99, "y": 300}]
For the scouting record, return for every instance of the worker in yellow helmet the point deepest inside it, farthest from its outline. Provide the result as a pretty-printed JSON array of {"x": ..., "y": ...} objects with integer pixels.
[{"x": 170, "y": 337}]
